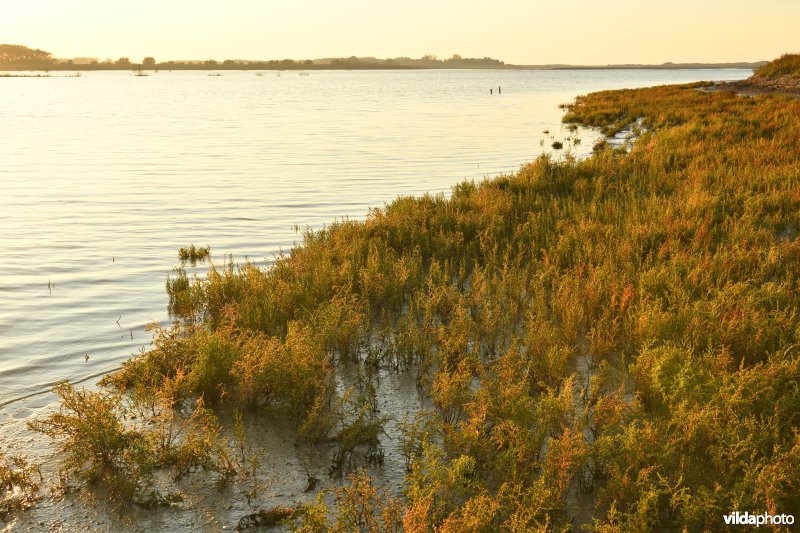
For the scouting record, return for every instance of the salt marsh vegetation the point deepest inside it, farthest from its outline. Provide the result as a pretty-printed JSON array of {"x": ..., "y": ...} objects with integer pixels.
[{"x": 621, "y": 331}]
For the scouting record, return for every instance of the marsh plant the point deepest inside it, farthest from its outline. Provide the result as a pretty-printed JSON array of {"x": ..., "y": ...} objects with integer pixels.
[
  {"x": 116, "y": 445},
  {"x": 98, "y": 448},
  {"x": 19, "y": 485},
  {"x": 359, "y": 505},
  {"x": 194, "y": 253}
]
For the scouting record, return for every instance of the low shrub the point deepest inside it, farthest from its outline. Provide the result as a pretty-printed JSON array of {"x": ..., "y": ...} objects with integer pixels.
[{"x": 19, "y": 485}]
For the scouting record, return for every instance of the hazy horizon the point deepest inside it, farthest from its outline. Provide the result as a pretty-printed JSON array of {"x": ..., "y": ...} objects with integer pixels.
[{"x": 573, "y": 32}]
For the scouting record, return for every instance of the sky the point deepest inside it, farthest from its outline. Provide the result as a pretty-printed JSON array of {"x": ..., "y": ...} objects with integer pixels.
[{"x": 515, "y": 31}]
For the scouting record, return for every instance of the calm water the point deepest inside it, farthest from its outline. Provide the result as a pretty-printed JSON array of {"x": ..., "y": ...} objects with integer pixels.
[{"x": 104, "y": 177}]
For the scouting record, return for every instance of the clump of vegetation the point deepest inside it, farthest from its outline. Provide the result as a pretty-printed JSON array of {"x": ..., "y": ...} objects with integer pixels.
[
  {"x": 19, "y": 485},
  {"x": 359, "y": 506},
  {"x": 97, "y": 446},
  {"x": 557, "y": 145},
  {"x": 194, "y": 254},
  {"x": 786, "y": 65},
  {"x": 103, "y": 446},
  {"x": 359, "y": 428}
]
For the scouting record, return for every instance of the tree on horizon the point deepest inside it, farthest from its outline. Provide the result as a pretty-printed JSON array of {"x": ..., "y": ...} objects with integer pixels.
[{"x": 16, "y": 54}]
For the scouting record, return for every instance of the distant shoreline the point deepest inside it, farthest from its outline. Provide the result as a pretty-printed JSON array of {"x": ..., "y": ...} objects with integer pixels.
[
  {"x": 20, "y": 58},
  {"x": 247, "y": 67}
]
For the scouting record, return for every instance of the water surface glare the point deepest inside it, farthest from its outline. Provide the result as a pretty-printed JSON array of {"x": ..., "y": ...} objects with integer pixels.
[{"x": 105, "y": 176}]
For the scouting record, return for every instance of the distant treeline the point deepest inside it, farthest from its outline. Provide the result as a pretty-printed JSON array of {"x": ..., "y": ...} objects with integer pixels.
[{"x": 16, "y": 57}]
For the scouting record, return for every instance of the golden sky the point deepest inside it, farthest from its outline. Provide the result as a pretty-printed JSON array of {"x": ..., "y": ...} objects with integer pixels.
[{"x": 516, "y": 31}]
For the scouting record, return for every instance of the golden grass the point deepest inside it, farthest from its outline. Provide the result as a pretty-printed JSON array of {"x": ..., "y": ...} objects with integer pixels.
[{"x": 786, "y": 65}]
